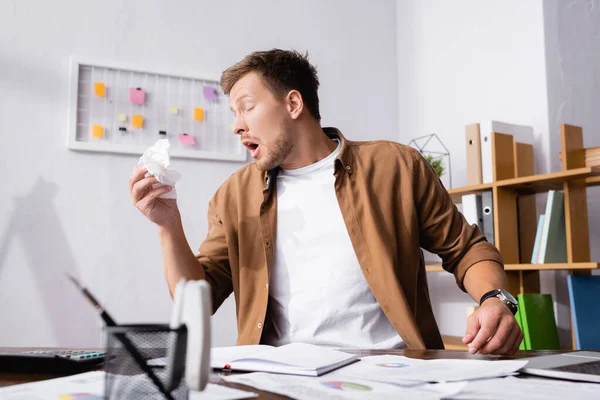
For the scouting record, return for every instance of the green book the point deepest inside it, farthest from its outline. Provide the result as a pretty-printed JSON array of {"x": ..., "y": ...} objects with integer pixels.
[
  {"x": 536, "y": 319},
  {"x": 524, "y": 345}
]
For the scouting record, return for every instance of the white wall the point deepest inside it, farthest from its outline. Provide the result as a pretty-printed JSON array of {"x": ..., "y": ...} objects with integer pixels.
[
  {"x": 573, "y": 70},
  {"x": 61, "y": 210},
  {"x": 461, "y": 62}
]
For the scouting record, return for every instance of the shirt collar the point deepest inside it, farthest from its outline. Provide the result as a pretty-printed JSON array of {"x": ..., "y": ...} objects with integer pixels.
[{"x": 344, "y": 159}]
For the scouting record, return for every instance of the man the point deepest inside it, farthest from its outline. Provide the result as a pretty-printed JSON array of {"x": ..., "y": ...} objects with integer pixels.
[{"x": 320, "y": 238}]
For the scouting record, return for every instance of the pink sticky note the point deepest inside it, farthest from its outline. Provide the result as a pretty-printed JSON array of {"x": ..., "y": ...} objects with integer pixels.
[
  {"x": 137, "y": 96},
  {"x": 186, "y": 139},
  {"x": 209, "y": 93}
]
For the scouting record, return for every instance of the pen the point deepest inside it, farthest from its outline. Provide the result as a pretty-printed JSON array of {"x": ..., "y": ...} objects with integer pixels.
[
  {"x": 131, "y": 349},
  {"x": 103, "y": 314}
]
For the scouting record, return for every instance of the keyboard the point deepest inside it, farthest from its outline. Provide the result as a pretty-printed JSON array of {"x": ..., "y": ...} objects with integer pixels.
[
  {"x": 590, "y": 368},
  {"x": 51, "y": 361}
]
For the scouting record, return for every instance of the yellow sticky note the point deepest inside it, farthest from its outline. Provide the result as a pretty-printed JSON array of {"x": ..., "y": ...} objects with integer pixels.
[
  {"x": 98, "y": 131},
  {"x": 137, "y": 121},
  {"x": 122, "y": 117},
  {"x": 174, "y": 110},
  {"x": 199, "y": 114},
  {"x": 99, "y": 89}
]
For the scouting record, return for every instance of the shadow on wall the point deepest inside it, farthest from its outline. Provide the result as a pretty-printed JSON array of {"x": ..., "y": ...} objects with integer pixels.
[{"x": 36, "y": 226}]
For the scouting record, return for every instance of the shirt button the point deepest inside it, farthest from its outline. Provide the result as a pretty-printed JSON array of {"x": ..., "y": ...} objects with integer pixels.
[
  {"x": 259, "y": 325},
  {"x": 267, "y": 286}
]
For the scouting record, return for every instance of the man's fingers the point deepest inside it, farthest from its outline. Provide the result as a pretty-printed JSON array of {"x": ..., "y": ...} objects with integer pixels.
[
  {"x": 141, "y": 188},
  {"x": 499, "y": 337},
  {"x": 159, "y": 191},
  {"x": 468, "y": 338},
  {"x": 139, "y": 171},
  {"x": 472, "y": 329},
  {"x": 516, "y": 343},
  {"x": 488, "y": 327},
  {"x": 152, "y": 194},
  {"x": 508, "y": 348}
]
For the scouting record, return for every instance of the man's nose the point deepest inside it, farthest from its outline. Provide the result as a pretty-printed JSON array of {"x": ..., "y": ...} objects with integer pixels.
[{"x": 239, "y": 125}]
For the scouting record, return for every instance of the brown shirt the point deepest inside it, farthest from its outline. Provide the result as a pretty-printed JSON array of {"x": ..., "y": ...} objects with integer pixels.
[{"x": 393, "y": 204}]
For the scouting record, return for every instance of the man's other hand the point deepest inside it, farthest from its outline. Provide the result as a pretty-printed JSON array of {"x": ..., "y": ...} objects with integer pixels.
[{"x": 492, "y": 329}]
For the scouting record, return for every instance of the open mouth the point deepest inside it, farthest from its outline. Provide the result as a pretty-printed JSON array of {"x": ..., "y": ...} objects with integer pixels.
[{"x": 252, "y": 147}]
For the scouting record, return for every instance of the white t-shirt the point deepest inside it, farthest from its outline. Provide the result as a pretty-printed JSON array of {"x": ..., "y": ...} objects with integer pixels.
[{"x": 317, "y": 292}]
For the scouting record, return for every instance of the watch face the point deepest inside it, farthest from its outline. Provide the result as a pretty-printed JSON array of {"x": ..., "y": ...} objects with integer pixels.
[{"x": 509, "y": 296}]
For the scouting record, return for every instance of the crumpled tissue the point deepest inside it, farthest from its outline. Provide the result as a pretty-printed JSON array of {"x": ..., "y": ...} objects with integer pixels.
[{"x": 156, "y": 161}]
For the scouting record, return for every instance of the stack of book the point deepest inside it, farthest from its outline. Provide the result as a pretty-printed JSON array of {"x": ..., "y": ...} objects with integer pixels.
[{"x": 550, "y": 240}]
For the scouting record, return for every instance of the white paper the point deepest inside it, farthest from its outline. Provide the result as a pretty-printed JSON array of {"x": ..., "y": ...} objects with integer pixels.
[
  {"x": 302, "y": 355},
  {"x": 293, "y": 358},
  {"x": 217, "y": 392},
  {"x": 219, "y": 356},
  {"x": 333, "y": 387},
  {"x": 91, "y": 384},
  {"x": 401, "y": 370},
  {"x": 528, "y": 389},
  {"x": 156, "y": 160}
]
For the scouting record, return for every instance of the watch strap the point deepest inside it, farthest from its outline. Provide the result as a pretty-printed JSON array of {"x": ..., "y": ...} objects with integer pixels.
[{"x": 487, "y": 295}]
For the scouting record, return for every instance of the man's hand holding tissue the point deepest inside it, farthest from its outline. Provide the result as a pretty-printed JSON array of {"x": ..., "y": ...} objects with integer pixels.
[
  {"x": 162, "y": 211},
  {"x": 152, "y": 191}
]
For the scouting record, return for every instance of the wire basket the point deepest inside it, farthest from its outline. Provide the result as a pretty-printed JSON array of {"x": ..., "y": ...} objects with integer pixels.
[{"x": 135, "y": 366}]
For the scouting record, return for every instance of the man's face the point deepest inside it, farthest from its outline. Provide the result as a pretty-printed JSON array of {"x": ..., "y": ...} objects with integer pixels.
[{"x": 262, "y": 121}]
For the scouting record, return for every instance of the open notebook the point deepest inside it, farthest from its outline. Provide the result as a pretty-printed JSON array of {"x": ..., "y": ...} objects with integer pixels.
[{"x": 294, "y": 359}]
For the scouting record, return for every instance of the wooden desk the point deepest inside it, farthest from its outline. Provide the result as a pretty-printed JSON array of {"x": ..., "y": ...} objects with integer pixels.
[{"x": 13, "y": 379}]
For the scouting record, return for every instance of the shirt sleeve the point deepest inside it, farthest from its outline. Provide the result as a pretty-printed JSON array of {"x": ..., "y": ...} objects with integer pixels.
[
  {"x": 213, "y": 255},
  {"x": 442, "y": 228}
]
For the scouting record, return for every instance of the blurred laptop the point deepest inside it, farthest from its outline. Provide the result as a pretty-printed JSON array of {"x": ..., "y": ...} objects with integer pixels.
[{"x": 576, "y": 366}]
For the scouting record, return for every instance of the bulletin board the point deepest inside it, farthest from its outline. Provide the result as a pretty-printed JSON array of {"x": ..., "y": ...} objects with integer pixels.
[{"x": 119, "y": 109}]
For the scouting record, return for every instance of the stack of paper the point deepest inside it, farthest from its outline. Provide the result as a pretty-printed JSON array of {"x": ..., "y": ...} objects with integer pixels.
[
  {"x": 527, "y": 389},
  {"x": 90, "y": 385},
  {"x": 403, "y": 370},
  {"x": 337, "y": 386}
]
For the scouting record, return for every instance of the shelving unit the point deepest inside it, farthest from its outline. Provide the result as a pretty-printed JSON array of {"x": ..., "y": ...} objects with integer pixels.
[
  {"x": 514, "y": 190},
  {"x": 533, "y": 267},
  {"x": 534, "y": 183}
]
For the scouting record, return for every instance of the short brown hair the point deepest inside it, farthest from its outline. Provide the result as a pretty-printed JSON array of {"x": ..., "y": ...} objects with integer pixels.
[{"x": 282, "y": 71}]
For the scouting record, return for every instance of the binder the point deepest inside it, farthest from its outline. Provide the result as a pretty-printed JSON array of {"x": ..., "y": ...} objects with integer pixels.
[
  {"x": 471, "y": 209},
  {"x": 553, "y": 242},
  {"x": 520, "y": 133},
  {"x": 537, "y": 321},
  {"x": 583, "y": 293},
  {"x": 473, "y": 142},
  {"x": 487, "y": 206},
  {"x": 538, "y": 239}
]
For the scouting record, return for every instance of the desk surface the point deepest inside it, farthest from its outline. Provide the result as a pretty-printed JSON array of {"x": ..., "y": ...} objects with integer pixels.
[{"x": 14, "y": 379}]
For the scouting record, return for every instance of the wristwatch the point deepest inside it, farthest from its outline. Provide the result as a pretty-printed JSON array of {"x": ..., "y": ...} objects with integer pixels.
[{"x": 504, "y": 297}]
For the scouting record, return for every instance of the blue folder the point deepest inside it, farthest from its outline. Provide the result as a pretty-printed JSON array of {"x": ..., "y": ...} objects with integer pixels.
[{"x": 585, "y": 313}]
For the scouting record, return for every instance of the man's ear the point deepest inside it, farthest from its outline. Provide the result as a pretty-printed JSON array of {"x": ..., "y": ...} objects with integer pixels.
[{"x": 295, "y": 105}]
